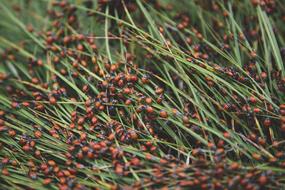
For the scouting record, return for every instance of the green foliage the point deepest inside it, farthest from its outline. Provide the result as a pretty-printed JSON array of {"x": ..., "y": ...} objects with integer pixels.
[{"x": 142, "y": 94}]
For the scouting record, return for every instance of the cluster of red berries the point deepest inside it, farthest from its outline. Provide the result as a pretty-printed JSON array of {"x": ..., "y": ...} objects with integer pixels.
[{"x": 94, "y": 121}]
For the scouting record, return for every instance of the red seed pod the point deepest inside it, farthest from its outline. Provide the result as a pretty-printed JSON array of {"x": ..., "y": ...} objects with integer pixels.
[
  {"x": 81, "y": 120},
  {"x": 5, "y": 160},
  {"x": 102, "y": 107},
  {"x": 12, "y": 133},
  {"x": 94, "y": 120},
  {"x": 35, "y": 80},
  {"x": 47, "y": 181},
  {"x": 85, "y": 149},
  {"x": 163, "y": 114},
  {"x": 149, "y": 109},
  {"x": 263, "y": 75},
  {"x": 83, "y": 136},
  {"x": 252, "y": 99},
  {"x": 234, "y": 166},
  {"x": 26, "y": 104},
  {"x": 255, "y": 2},
  {"x": 185, "y": 183},
  {"x": 220, "y": 151},
  {"x": 111, "y": 137},
  {"x": 5, "y": 172},
  {"x": 148, "y": 100},
  {"x": 32, "y": 143},
  {"x": 185, "y": 120},
  {"x": 135, "y": 161},
  {"x": 128, "y": 102},
  {"x": 38, "y": 134},
  {"x": 113, "y": 67},
  {"x": 227, "y": 135},
  {"x": 90, "y": 155},
  {"x": 120, "y": 83},
  {"x": 159, "y": 99},
  {"x": 52, "y": 100},
  {"x": 89, "y": 110},
  {"x": 14, "y": 105},
  {"x": 51, "y": 163},
  {"x": 85, "y": 88},
  {"x": 96, "y": 146},
  {"x": 40, "y": 62},
  {"x": 134, "y": 78},
  {"x": 127, "y": 90},
  {"x": 256, "y": 110},
  {"x": 148, "y": 156},
  {"x": 273, "y": 160},
  {"x": 37, "y": 153},
  {"x": 14, "y": 163},
  {"x": 2, "y": 113},
  {"x": 80, "y": 47},
  {"x": 26, "y": 147},
  {"x": 72, "y": 125},
  {"x": 261, "y": 141},
  {"x": 119, "y": 169},
  {"x": 133, "y": 135},
  {"x": 145, "y": 80},
  {"x": 256, "y": 156},
  {"x": 262, "y": 180},
  {"x": 159, "y": 90}
]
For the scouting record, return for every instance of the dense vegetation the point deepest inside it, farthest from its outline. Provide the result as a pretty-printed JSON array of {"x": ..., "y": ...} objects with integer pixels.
[{"x": 142, "y": 94}]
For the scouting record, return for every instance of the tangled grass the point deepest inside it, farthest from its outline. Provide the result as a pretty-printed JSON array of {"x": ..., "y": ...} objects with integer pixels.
[{"x": 142, "y": 94}]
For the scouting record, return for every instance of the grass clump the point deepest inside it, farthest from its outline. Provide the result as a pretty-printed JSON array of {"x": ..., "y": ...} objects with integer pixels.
[{"x": 142, "y": 94}]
